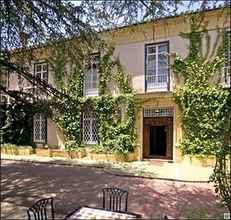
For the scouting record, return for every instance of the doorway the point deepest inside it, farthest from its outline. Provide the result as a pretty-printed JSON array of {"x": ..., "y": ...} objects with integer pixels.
[
  {"x": 158, "y": 140},
  {"x": 158, "y": 137}
]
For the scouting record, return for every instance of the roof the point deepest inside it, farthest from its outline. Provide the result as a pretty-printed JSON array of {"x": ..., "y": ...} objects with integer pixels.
[{"x": 185, "y": 13}]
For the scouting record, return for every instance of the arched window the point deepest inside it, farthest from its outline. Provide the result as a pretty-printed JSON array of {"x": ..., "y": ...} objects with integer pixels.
[{"x": 91, "y": 76}]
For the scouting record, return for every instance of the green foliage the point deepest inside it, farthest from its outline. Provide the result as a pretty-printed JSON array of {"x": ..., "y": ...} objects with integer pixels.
[
  {"x": 221, "y": 175},
  {"x": 14, "y": 146},
  {"x": 204, "y": 105},
  {"x": 115, "y": 113},
  {"x": 17, "y": 121},
  {"x": 116, "y": 134},
  {"x": 206, "y": 109}
]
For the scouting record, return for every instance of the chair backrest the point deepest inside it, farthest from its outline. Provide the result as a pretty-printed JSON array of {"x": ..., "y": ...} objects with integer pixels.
[
  {"x": 43, "y": 209},
  {"x": 115, "y": 199}
]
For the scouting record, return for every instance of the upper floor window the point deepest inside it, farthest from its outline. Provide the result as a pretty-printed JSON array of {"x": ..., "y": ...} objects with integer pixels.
[
  {"x": 157, "y": 67},
  {"x": 227, "y": 67},
  {"x": 41, "y": 72},
  {"x": 91, "y": 76}
]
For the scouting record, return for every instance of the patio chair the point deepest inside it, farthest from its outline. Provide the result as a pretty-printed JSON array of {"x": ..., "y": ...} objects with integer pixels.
[
  {"x": 113, "y": 198},
  {"x": 43, "y": 209}
]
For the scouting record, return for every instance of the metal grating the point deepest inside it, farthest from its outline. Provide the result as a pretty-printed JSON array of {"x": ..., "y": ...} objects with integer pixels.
[
  {"x": 90, "y": 134},
  {"x": 39, "y": 128},
  {"x": 158, "y": 112}
]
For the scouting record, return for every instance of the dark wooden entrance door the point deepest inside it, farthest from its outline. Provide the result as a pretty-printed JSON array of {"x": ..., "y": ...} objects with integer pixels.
[
  {"x": 158, "y": 140},
  {"x": 158, "y": 137}
]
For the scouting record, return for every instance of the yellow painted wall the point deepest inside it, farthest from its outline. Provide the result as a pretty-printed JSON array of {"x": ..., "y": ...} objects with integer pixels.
[
  {"x": 130, "y": 47},
  {"x": 55, "y": 138},
  {"x": 129, "y": 43},
  {"x": 157, "y": 100}
]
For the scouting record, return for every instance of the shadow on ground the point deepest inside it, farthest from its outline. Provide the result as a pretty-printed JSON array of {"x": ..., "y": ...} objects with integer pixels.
[{"x": 23, "y": 183}]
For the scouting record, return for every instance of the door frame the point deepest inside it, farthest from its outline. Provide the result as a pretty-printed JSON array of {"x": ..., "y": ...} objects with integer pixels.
[{"x": 158, "y": 121}]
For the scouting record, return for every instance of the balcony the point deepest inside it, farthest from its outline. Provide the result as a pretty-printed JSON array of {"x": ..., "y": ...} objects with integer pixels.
[{"x": 157, "y": 82}]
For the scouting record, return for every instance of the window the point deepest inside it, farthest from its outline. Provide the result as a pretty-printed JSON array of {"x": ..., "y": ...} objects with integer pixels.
[
  {"x": 158, "y": 112},
  {"x": 90, "y": 135},
  {"x": 90, "y": 77},
  {"x": 40, "y": 128},
  {"x": 157, "y": 66},
  {"x": 41, "y": 72},
  {"x": 227, "y": 67},
  {"x": 4, "y": 98}
]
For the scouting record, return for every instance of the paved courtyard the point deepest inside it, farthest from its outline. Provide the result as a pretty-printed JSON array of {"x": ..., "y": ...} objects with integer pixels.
[{"x": 22, "y": 183}]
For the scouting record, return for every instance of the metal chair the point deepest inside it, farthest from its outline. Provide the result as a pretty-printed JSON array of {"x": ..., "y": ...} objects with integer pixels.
[
  {"x": 115, "y": 197},
  {"x": 40, "y": 210}
]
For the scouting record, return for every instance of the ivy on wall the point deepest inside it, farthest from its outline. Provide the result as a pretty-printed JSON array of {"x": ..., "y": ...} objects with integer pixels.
[
  {"x": 16, "y": 122},
  {"x": 115, "y": 113},
  {"x": 204, "y": 103},
  {"x": 206, "y": 106}
]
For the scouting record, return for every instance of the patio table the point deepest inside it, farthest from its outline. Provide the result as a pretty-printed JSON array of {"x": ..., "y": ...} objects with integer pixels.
[{"x": 97, "y": 213}]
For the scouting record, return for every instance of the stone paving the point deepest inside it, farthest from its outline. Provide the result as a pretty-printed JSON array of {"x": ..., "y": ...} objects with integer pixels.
[
  {"x": 22, "y": 183},
  {"x": 150, "y": 168}
]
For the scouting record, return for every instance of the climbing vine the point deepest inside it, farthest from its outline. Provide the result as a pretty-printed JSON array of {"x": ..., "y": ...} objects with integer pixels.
[
  {"x": 115, "y": 112},
  {"x": 206, "y": 106}
]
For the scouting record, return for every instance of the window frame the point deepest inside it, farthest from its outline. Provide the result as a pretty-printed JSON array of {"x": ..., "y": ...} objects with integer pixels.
[
  {"x": 40, "y": 141},
  {"x": 92, "y": 120},
  {"x": 227, "y": 64},
  {"x": 94, "y": 91},
  {"x": 156, "y": 44},
  {"x": 35, "y": 90}
]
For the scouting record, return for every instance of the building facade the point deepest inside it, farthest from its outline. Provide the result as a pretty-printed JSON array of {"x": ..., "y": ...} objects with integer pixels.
[{"x": 147, "y": 52}]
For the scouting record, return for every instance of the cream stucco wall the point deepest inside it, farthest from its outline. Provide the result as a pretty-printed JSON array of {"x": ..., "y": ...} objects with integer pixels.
[
  {"x": 129, "y": 43},
  {"x": 132, "y": 57},
  {"x": 55, "y": 138},
  {"x": 157, "y": 100},
  {"x": 130, "y": 48}
]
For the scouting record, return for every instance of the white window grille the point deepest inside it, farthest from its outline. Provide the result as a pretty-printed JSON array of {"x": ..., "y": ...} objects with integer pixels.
[
  {"x": 157, "y": 67},
  {"x": 41, "y": 72},
  {"x": 91, "y": 76},
  {"x": 158, "y": 112},
  {"x": 40, "y": 128},
  {"x": 90, "y": 135}
]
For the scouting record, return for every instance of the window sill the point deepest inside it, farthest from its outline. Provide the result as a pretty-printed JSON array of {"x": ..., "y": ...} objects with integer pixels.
[
  {"x": 91, "y": 93},
  {"x": 90, "y": 143},
  {"x": 165, "y": 89}
]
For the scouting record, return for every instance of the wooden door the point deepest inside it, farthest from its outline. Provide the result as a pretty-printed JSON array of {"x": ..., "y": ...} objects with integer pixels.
[{"x": 158, "y": 121}]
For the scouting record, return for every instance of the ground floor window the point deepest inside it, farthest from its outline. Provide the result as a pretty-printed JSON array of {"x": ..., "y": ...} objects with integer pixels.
[
  {"x": 40, "y": 128},
  {"x": 90, "y": 134}
]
